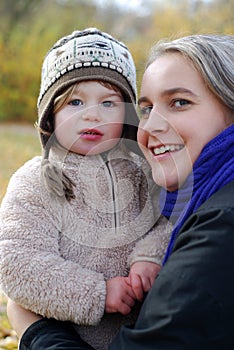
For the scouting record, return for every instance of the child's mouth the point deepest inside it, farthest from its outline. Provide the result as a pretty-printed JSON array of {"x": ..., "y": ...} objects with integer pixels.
[{"x": 91, "y": 134}]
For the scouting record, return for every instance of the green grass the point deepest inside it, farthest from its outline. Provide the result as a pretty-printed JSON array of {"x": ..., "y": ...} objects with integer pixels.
[{"x": 18, "y": 143}]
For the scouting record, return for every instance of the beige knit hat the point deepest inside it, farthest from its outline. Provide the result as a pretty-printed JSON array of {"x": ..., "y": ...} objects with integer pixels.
[{"x": 86, "y": 55}]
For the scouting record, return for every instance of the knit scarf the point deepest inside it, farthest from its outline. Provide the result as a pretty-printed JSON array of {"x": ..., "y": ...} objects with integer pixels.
[{"x": 212, "y": 170}]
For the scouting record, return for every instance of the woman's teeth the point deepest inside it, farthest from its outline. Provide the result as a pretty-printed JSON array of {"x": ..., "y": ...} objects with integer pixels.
[{"x": 164, "y": 149}]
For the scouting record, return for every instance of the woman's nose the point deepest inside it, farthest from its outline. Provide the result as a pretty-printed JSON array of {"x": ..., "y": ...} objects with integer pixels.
[
  {"x": 155, "y": 123},
  {"x": 92, "y": 114}
]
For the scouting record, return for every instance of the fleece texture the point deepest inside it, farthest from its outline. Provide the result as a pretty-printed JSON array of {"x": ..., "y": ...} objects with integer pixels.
[{"x": 55, "y": 255}]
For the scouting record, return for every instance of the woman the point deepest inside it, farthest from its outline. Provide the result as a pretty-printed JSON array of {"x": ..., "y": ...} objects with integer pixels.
[{"x": 187, "y": 134}]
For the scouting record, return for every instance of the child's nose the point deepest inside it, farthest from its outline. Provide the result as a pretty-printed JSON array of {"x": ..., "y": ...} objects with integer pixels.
[{"x": 92, "y": 114}]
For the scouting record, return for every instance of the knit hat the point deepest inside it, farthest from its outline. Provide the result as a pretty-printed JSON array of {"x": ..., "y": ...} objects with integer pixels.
[{"x": 86, "y": 55}]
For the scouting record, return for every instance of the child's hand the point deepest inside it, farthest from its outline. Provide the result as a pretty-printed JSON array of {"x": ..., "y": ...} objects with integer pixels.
[
  {"x": 20, "y": 318},
  {"x": 142, "y": 275},
  {"x": 119, "y": 295}
]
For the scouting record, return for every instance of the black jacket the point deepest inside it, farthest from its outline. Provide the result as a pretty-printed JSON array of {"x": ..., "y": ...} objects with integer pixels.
[{"x": 191, "y": 304}]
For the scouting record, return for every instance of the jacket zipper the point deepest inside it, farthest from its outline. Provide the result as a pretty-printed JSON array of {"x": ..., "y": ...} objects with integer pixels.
[{"x": 113, "y": 193}]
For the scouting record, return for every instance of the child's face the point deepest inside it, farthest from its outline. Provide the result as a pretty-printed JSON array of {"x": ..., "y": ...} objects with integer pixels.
[
  {"x": 179, "y": 117},
  {"x": 92, "y": 120}
]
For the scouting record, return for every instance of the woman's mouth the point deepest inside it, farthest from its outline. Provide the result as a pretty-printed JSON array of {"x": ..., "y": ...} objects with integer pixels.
[{"x": 164, "y": 149}]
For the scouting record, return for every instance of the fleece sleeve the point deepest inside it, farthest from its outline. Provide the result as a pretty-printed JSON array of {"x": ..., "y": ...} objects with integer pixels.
[
  {"x": 32, "y": 271},
  {"x": 153, "y": 245}
]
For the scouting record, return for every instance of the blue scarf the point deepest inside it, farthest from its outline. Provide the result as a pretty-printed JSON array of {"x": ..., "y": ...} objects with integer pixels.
[{"x": 212, "y": 170}]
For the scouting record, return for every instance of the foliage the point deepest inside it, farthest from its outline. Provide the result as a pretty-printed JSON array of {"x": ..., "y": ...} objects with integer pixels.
[
  {"x": 8, "y": 339},
  {"x": 18, "y": 144},
  {"x": 28, "y": 28}
]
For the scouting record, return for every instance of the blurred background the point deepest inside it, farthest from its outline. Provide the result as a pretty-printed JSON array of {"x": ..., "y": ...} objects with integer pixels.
[{"x": 28, "y": 28}]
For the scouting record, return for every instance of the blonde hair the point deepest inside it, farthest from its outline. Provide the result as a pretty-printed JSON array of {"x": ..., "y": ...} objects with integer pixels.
[{"x": 212, "y": 56}]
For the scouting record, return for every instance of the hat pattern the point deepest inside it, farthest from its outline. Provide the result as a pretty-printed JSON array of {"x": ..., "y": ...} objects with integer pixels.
[{"x": 85, "y": 49}]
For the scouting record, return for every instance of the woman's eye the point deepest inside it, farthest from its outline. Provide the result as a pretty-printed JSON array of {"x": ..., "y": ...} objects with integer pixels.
[
  {"x": 75, "y": 102},
  {"x": 180, "y": 103},
  {"x": 145, "y": 111}
]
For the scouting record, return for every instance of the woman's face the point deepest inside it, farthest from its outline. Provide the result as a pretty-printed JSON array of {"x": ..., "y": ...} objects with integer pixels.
[{"x": 180, "y": 116}]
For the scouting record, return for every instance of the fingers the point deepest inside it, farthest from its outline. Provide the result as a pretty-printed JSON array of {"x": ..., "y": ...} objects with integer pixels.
[
  {"x": 146, "y": 283},
  {"x": 124, "y": 308},
  {"x": 137, "y": 287},
  {"x": 120, "y": 296},
  {"x": 142, "y": 276},
  {"x": 130, "y": 291},
  {"x": 128, "y": 300}
]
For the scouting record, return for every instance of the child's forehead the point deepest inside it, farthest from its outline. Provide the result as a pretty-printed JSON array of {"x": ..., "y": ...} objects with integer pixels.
[{"x": 98, "y": 83}]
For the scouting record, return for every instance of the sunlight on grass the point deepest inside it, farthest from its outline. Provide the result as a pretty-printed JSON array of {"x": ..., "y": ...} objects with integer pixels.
[
  {"x": 18, "y": 143},
  {"x": 8, "y": 339}
]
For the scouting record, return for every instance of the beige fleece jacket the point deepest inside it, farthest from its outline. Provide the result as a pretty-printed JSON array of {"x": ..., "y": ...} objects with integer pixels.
[{"x": 55, "y": 256}]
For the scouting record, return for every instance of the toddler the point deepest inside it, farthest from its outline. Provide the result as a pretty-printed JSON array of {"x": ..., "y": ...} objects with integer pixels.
[{"x": 81, "y": 237}]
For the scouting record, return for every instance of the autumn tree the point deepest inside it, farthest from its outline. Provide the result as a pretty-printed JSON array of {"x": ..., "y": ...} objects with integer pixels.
[{"x": 28, "y": 28}]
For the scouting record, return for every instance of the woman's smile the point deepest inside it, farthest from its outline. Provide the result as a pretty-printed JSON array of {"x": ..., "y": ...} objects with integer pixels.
[
  {"x": 180, "y": 116},
  {"x": 164, "y": 149}
]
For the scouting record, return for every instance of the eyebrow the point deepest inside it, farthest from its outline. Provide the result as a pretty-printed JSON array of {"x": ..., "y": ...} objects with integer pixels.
[
  {"x": 105, "y": 95},
  {"x": 142, "y": 99},
  {"x": 176, "y": 90},
  {"x": 169, "y": 92}
]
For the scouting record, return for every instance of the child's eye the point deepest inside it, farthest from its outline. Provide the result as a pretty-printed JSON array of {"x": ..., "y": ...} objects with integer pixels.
[
  {"x": 108, "y": 104},
  {"x": 145, "y": 111},
  {"x": 75, "y": 102}
]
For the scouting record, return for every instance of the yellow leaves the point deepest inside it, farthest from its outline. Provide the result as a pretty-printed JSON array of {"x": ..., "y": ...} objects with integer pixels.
[
  {"x": 18, "y": 143},
  {"x": 8, "y": 338},
  {"x": 23, "y": 47},
  {"x": 10, "y": 342}
]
